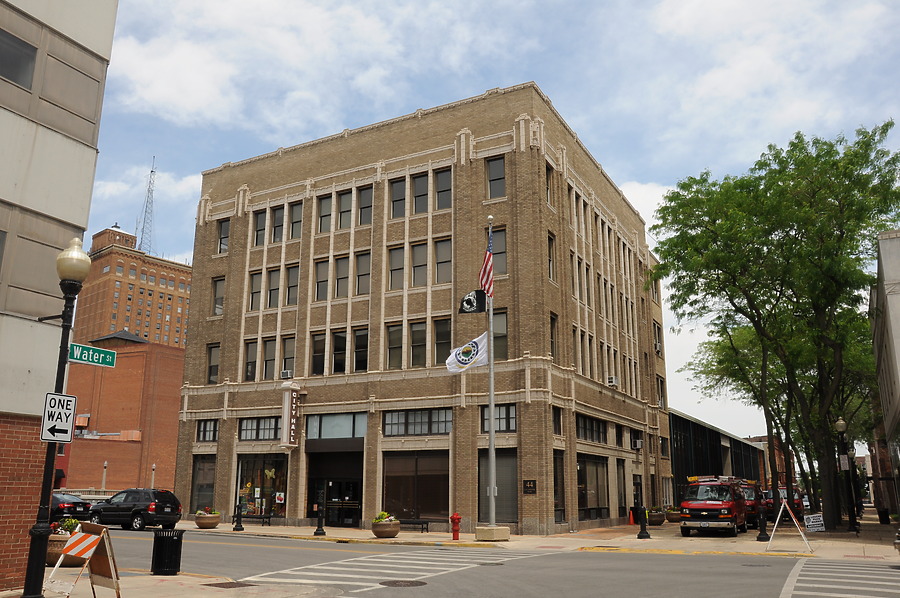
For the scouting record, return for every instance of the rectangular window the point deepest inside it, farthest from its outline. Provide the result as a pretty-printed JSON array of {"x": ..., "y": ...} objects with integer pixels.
[
  {"x": 17, "y": 59},
  {"x": 661, "y": 392},
  {"x": 277, "y": 225},
  {"x": 321, "y": 280},
  {"x": 499, "y": 251},
  {"x": 548, "y": 171},
  {"x": 218, "y": 307},
  {"x": 207, "y": 430},
  {"x": 272, "y": 290},
  {"x": 418, "y": 422},
  {"x": 212, "y": 363},
  {"x": 364, "y": 205},
  {"x": 224, "y": 232},
  {"x": 443, "y": 189},
  {"x": 420, "y": 193},
  {"x": 318, "y": 354},
  {"x": 338, "y": 352},
  {"x": 398, "y": 198},
  {"x": 255, "y": 290},
  {"x": 554, "y": 337},
  {"x": 504, "y": 418},
  {"x": 363, "y": 273},
  {"x": 345, "y": 209},
  {"x": 501, "y": 340},
  {"x": 296, "y": 214},
  {"x": 557, "y": 420},
  {"x": 417, "y": 344},
  {"x": 336, "y": 425},
  {"x": 395, "y": 263},
  {"x": 260, "y": 428},
  {"x": 341, "y": 276},
  {"x": 551, "y": 252},
  {"x": 496, "y": 175},
  {"x": 360, "y": 350},
  {"x": 590, "y": 428},
  {"x": 419, "y": 264},
  {"x": 250, "y": 349},
  {"x": 442, "y": 345},
  {"x": 288, "y": 348},
  {"x": 293, "y": 285},
  {"x": 325, "y": 214},
  {"x": 663, "y": 447},
  {"x": 259, "y": 228},
  {"x": 395, "y": 346},
  {"x": 443, "y": 257},
  {"x": 268, "y": 359}
]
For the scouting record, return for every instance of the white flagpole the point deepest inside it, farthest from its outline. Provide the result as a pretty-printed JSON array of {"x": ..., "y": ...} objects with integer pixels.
[{"x": 492, "y": 455}]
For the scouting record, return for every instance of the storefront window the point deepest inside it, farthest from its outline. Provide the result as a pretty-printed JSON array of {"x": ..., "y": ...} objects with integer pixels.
[
  {"x": 593, "y": 487},
  {"x": 417, "y": 484},
  {"x": 262, "y": 484},
  {"x": 203, "y": 482}
]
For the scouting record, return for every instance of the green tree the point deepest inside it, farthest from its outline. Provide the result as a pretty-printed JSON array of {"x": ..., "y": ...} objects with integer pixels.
[{"x": 783, "y": 250}]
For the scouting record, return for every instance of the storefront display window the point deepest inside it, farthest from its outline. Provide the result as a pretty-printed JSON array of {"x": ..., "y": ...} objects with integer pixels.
[
  {"x": 262, "y": 484},
  {"x": 203, "y": 482}
]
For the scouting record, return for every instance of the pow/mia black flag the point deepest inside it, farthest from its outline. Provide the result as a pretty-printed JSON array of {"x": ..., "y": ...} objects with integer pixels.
[{"x": 473, "y": 303}]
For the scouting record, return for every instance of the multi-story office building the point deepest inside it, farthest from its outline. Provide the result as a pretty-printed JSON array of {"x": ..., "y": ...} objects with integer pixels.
[
  {"x": 129, "y": 289},
  {"x": 330, "y": 276},
  {"x": 53, "y": 61}
]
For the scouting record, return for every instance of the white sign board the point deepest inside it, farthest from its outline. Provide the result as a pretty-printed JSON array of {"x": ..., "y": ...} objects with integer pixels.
[
  {"x": 58, "y": 421},
  {"x": 814, "y": 523}
]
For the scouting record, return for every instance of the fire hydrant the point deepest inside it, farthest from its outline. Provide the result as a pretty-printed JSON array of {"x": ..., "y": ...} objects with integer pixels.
[{"x": 454, "y": 525}]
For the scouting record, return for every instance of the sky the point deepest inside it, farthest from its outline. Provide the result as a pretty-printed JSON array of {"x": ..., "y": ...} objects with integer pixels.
[{"x": 656, "y": 90}]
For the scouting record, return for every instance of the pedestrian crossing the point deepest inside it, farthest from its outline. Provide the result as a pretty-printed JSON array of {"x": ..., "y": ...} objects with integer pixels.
[
  {"x": 372, "y": 572},
  {"x": 842, "y": 579}
]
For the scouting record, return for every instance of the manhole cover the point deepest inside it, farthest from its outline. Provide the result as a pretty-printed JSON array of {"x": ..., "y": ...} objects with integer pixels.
[
  {"x": 748, "y": 565},
  {"x": 229, "y": 585},
  {"x": 402, "y": 583},
  {"x": 490, "y": 564}
]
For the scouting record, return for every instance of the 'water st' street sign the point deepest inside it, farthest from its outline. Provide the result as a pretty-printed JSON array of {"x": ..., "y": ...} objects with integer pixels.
[
  {"x": 92, "y": 355},
  {"x": 58, "y": 422}
]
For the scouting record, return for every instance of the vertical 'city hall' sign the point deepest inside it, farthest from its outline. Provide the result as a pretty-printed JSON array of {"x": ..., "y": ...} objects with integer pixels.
[{"x": 290, "y": 415}]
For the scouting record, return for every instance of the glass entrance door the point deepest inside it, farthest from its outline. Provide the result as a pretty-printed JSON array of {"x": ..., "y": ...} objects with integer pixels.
[{"x": 343, "y": 501}]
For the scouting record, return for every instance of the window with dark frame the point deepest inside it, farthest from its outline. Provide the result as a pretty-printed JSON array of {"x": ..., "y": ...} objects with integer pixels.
[
  {"x": 443, "y": 189},
  {"x": 218, "y": 307},
  {"x": 501, "y": 338},
  {"x": 207, "y": 430},
  {"x": 419, "y": 258},
  {"x": 224, "y": 227},
  {"x": 590, "y": 428},
  {"x": 317, "y": 367},
  {"x": 363, "y": 273},
  {"x": 360, "y": 350},
  {"x": 250, "y": 350},
  {"x": 341, "y": 276},
  {"x": 394, "y": 346},
  {"x": 554, "y": 337},
  {"x": 364, "y": 205},
  {"x": 398, "y": 198},
  {"x": 345, "y": 209},
  {"x": 395, "y": 263},
  {"x": 17, "y": 60},
  {"x": 324, "y": 205},
  {"x": 268, "y": 372},
  {"x": 259, "y": 428},
  {"x": 417, "y": 344},
  {"x": 293, "y": 285},
  {"x": 213, "y": 352},
  {"x": 288, "y": 349},
  {"x": 259, "y": 228},
  {"x": 499, "y": 256},
  {"x": 338, "y": 352},
  {"x": 321, "y": 269},
  {"x": 496, "y": 177},
  {"x": 255, "y": 291},
  {"x": 420, "y": 193},
  {"x": 504, "y": 418},
  {"x": 418, "y": 422},
  {"x": 557, "y": 420},
  {"x": 274, "y": 281},
  {"x": 442, "y": 340},
  {"x": 296, "y": 215},
  {"x": 277, "y": 224},
  {"x": 443, "y": 261}
]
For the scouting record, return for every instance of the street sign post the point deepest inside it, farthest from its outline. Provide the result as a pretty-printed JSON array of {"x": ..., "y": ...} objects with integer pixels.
[
  {"x": 92, "y": 355},
  {"x": 58, "y": 421}
]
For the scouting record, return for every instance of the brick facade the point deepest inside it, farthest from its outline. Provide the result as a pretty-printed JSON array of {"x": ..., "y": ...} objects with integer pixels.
[{"x": 582, "y": 330}]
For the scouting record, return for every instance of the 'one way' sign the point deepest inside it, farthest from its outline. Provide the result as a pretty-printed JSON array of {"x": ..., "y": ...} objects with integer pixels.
[{"x": 58, "y": 423}]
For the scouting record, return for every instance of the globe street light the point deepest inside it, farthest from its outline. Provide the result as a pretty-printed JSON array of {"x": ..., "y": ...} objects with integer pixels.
[
  {"x": 841, "y": 427},
  {"x": 72, "y": 267}
]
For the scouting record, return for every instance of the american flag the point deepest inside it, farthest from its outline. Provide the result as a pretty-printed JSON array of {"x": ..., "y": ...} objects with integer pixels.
[{"x": 486, "y": 276}]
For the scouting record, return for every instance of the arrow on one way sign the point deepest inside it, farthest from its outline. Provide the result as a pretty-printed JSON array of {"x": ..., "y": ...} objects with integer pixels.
[{"x": 58, "y": 409}]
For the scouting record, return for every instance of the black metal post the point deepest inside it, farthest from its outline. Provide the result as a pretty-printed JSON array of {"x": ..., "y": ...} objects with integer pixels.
[
  {"x": 320, "y": 510},
  {"x": 238, "y": 512},
  {"x": 851, "y": 506},
  {"x": 643, "y": 534},
  {"x": 763, "y": 535},
  {"x": 40, "y": 531}
]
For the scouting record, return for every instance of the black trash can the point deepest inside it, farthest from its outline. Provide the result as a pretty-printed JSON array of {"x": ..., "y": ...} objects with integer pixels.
[
  {"x": 166, "y": 551},
  {"x": 884, "y": 517}
]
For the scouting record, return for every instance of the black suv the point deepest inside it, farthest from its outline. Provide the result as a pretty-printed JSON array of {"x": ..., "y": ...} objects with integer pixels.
[{"x": 136, "y": 508}]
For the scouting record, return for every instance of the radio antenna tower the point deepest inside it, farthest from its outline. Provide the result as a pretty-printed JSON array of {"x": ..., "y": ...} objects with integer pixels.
[{"x": 145, "y": 220}]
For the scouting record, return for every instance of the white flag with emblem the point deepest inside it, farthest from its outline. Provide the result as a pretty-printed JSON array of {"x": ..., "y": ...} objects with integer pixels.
[{"x": 473, "y": 353}]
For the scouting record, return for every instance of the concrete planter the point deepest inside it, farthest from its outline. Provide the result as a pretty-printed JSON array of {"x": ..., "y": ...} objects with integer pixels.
[
  {"x": 386, "y": 529},
  {"x": 206, "y": 521},
  {"x": 55, "y": 547},
  {"x": 673, "y": 516}
]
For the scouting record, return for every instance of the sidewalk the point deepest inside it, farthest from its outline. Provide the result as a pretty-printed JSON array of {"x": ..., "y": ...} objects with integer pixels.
[{"x": 874, "y": 543}]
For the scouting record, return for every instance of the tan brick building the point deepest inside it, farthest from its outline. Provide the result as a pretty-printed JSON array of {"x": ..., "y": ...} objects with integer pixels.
[{"x": 329, "y": 279}]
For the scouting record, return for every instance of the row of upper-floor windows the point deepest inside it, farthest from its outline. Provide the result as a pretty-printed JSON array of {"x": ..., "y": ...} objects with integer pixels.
[
  {"x": 149, "y": 278},
  {"x": 409, "y": 195}
]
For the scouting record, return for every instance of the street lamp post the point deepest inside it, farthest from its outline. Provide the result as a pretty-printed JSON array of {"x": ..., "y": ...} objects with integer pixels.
[
  {"x": 72, "y": 267},
  {"x": 841, "y": 426}
]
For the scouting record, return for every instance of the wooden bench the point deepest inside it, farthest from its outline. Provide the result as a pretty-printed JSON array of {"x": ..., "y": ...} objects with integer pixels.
[
  {"x": 421, "y": 523},
  {"x": 266, "y": 519}
]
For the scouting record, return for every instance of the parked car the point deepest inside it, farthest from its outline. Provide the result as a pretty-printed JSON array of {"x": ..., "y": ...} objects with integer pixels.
[
  {"x": 137, "y": 508},
  {"x": 713, "y": 503},
  {"x": 795, "y": 505},
  {"x": 752, "y": 498},
  {"x": 69, "y": 505}
]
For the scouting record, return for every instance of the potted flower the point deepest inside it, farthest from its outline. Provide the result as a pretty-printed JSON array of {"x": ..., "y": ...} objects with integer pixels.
[
  {"x": 60, "y": 532},
  {"x": 207, "y": 518},
  {"x": 385, "y": 525},
  {"x": 673, "y": 514},
  {"x": 656, "y": 516}
]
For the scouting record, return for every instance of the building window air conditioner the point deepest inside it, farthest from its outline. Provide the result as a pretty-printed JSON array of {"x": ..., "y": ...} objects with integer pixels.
[
  {"x": 612, "y": 380},
  {"x": 637, "y": 444},
  {"x": 287, "y": 374},
  {"x": 657, "y": 347}
]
